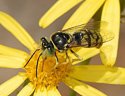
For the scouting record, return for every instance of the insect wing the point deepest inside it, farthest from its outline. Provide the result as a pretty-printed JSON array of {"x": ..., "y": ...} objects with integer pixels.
[
  {"x": 89, "y": 39},
  {"x": 92, "y": 38},
  {"x": 74, "y": 29},
  {"x": 99, "y": 27},
  {"x": 90, "y": 26},
  {"x": 107, "y": 35},
  {"x": 97, "y": 30}
]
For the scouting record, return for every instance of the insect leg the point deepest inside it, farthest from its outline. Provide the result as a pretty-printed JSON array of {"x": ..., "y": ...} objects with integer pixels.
[
  {"x": 67, "y": 57},
  {"x": 76, "y": 54},
  {"x": 31, "y": 57},
  {"x": 57, "y": 61},
  {"x": 37, "y": 64}
]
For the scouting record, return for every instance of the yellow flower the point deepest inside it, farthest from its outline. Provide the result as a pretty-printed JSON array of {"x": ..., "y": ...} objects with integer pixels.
[
  {"x": 47, "y": 81},
  {"x": 111, "y": 14}
]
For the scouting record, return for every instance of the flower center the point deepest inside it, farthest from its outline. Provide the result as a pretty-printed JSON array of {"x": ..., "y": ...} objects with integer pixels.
[{"x": 47, "y": 73}]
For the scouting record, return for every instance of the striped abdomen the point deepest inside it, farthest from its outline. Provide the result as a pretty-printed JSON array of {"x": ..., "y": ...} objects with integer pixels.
[{"x": 86, "y": 38}]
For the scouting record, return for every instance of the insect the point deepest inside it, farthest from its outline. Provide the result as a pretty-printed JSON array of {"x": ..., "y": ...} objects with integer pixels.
[{"x": 89, "y": 35}]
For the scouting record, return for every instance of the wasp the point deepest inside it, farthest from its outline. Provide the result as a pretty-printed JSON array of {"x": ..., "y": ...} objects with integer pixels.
[{"x": 89, "y": 35}]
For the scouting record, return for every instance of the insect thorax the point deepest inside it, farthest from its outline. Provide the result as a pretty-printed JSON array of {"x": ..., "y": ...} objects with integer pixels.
[{"x": 61, "y": 40}]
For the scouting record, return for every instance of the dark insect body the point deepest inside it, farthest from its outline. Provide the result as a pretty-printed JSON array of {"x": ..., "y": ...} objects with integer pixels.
[{"x": 90, "y": 35}]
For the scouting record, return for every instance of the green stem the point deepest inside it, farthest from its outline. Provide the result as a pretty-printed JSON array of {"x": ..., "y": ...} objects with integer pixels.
[
  {"x": 86, "y": 62},
  {"x": 23, "y": 85},
  {"x": 72, "y": 93}
]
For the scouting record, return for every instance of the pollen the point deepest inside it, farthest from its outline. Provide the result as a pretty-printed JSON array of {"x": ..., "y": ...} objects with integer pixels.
[{"x": 47, "y": 73}]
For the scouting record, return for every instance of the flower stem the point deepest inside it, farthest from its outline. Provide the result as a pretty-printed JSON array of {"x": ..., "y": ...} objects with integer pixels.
[
  {"x": 72, "y": 93},
  {"x": 86, "y": 62}
]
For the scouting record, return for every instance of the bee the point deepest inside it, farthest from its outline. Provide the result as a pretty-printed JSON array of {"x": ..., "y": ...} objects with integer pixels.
[{"x": 89, "y": 35}]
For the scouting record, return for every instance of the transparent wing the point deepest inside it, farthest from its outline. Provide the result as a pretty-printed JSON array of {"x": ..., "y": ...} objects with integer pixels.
[
  {"x": 92, "y": 38},
  {"x": 97, "y": 25},
  {"x": 107, "y": 35},
  {"x": 102, "y": 28}
]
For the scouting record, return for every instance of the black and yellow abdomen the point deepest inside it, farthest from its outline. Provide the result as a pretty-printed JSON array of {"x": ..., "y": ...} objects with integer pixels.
[{"x": 87, "y": 39}]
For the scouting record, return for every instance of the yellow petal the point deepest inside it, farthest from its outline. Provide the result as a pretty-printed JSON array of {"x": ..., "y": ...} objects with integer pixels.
[
  {"x": 58, "y": 9},
  {"x": 84, "y": 13},
  {"x": 4, "y": 50},
  {"x": 99, "y": 74},
  {"x": 53, "y": 92},
  {"x": 85, "y": 53},
  {"x": 11, "y": 62},
  {"x": 17, "y": 30},
  {"x": 40, "y": 91},
  {"x": 9, "y": 86},
  {"x": 27, "y": 90},
  {"x": 111, "y": 14},
  {"x": 82, "y": 89}
]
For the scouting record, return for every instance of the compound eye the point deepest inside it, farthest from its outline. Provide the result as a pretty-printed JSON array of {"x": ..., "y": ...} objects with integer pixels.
[{"x": 43, "y": 40}]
